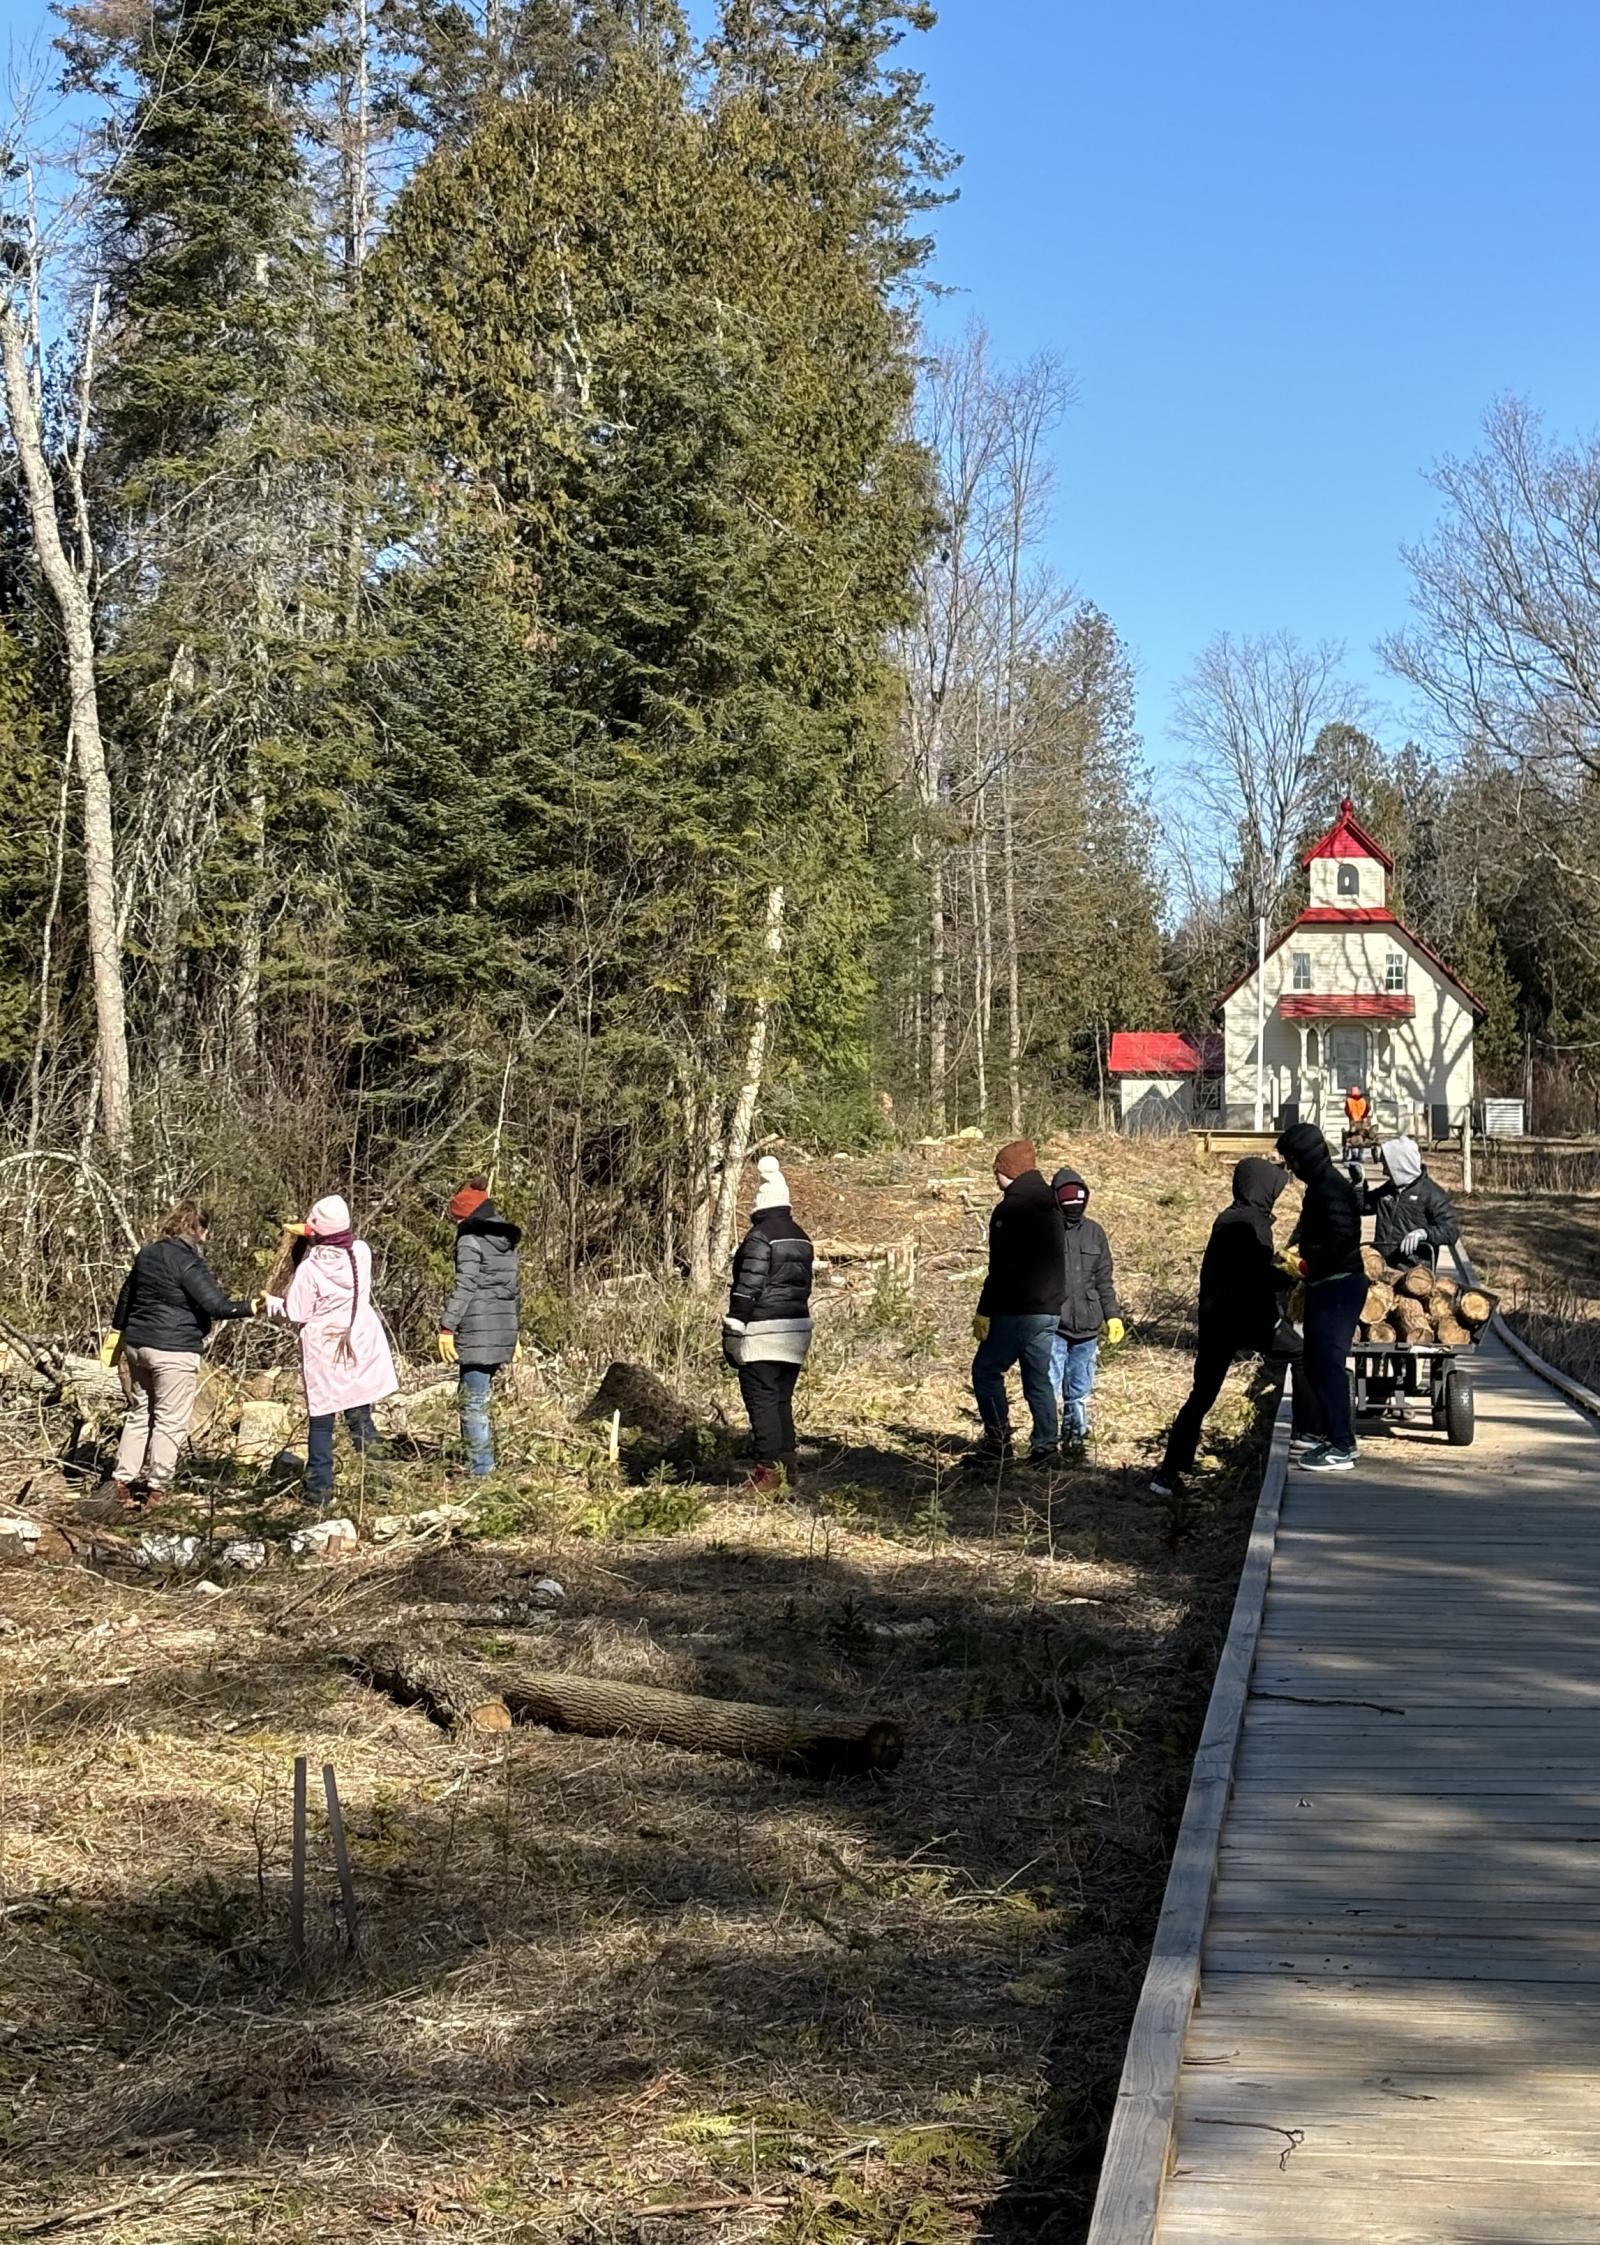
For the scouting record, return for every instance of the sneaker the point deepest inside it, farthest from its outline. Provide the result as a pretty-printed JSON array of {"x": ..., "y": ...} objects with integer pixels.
[
  {"x": 1169, "y": 1484},
  {"x": 1299, "y": 1444},
  {"x": 1326, "y": 1459}
]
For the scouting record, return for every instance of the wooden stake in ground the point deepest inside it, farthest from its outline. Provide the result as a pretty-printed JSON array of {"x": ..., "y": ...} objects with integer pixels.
[
  {"x": 810, "y": 1744},
  {"x": 297, "y": 1871},
  {"x": 341, "y": 1856}
]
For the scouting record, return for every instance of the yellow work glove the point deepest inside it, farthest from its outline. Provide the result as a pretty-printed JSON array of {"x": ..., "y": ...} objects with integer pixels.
[
  {"x": 447, "y": 1348},
  {"x": 258, "y": 1304},
  {"x": 1115, "y": 1332},
  {"x": 108, "y": 1349},
  {"x": 980, "y": 1327},
  {"x": 516, "y": 1353}
]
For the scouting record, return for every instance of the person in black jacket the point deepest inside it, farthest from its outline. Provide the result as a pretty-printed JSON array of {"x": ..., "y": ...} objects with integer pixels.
[
  {"x": 478, "y": 1331},
  {"x": 1412, "y": 1215},
  {"x": 168, "y": 1304},
  {"x": 1020, "y": 1305},
  {"x": 1242, "y": 1289},
  {"x": 1088, "y": 1307},
  {"x": 766, "y": 1334},
  {"x": 1327, "y": 1240}
]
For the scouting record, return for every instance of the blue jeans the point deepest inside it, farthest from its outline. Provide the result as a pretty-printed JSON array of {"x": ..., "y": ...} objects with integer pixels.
[
  {"x": 319, "y": 1445},
  {"x": 1025, "y": 1341},
  {"x": 1333, "y": 1311},
  {"x": 477, "y": 1436},
  {"x": 1073, "y": 1365}
]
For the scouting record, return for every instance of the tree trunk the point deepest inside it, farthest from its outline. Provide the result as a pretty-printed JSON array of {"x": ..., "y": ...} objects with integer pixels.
[
  {"x": 938, "y": 1033},
  {"x": 454, "y": 1694},
  {"x": 70, "y": 591},
  {"x": 1008, "y": 862},
  {"x": 736, "y": 1143},
  {"x": 978, "y": 883}
]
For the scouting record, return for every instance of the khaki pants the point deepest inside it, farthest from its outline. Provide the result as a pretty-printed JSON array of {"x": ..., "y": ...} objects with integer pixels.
[{"x": 157, "y": 1425}]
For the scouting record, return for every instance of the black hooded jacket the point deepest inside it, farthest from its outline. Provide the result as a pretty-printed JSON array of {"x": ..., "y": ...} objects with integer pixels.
[
  {"x": 1026, "y": 1267},
  {"x": 1090, "y": 1295},
  {"x": 1241, "y": 1279},
  {"x": 1328, "y": 1235},
  {"x": 485, "y": 1306}
]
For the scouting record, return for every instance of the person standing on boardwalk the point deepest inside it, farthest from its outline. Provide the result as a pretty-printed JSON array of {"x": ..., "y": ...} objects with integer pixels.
[
  {"x": 344, "y": 1351},
  {"x": 1089, "y": 1311},
  {"x": 766, "y": 1334},
  {"x": 167, "y": 1307},
  {"x": 1019, "y": 1309},
  {"x": 1412, "y": 1214},
  {"x": 478, "y": 1331},
  {"x": 1327, "y": 1241},
  {"x": 1242, "y": 1288}
]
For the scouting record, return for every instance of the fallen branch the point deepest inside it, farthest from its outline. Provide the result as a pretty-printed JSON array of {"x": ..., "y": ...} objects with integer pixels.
[{"x": 455, "y": 1695}]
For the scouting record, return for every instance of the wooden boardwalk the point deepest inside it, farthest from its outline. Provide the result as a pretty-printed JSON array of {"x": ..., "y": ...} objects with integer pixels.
[{"x": 1396, "y": 2035}]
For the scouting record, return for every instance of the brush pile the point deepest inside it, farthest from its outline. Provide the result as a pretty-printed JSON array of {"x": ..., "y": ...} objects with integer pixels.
[{"x": 1407, "y": 1309}]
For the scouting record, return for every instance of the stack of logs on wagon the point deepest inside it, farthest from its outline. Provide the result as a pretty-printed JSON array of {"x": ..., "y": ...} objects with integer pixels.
[{"x": 1408, "y": 1309}]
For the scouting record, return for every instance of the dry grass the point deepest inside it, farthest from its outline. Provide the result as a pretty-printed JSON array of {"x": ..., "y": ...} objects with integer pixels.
[
  {"x": 599, "y": 1977},
  {"x": 1541, "y": 1253}
]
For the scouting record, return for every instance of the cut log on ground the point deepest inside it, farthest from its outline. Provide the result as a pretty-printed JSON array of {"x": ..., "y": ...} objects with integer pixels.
[
  {"x": 1378, "y": 1304},
  {"x": 1376, "y": 1269},
  {"x": 814, "y": 1745},
  {"x": 456, "y": 1695},
  {"x": 645, "y": 1403},
  {"x": 1474, "y": 1307},
  {"x": 1416, "y": 1284}
]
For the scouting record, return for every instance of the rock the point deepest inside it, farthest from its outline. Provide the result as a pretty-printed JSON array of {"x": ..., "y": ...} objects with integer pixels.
[
  {"x": 971, "y": 1131},
  {"x": 389, "y": 1525},
  {"x": 19, "y": 1540},
  {"x": 263, "y": 1431},
  {"x": 156, "y": 1550},
  {"x": 324, "y": 1539},
  {"x": 548, "y": 1587},
  {"x": 210, "y": 1589},
  {"x": 248, "y": 1557}
]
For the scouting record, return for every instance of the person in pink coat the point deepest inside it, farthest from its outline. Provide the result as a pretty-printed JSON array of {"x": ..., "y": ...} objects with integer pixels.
[{"x": 344, "y": 1352}]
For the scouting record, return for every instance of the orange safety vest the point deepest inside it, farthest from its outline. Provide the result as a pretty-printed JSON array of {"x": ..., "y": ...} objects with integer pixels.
[{"x": 1355, "y": 1107}]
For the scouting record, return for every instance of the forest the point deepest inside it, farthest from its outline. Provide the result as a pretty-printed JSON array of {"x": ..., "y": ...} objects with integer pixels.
[{"x": 527, "y": 637}]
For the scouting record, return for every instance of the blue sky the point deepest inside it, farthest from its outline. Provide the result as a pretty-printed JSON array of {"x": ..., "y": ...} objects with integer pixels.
[{"x": 1290, "y": 256}]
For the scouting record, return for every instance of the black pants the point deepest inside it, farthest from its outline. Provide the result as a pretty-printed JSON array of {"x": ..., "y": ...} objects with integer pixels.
[
  {"x": 1219, "y": 1345},
  {"x": 1333, "y": 1311},
  {"x": 768, "y": 1391}
]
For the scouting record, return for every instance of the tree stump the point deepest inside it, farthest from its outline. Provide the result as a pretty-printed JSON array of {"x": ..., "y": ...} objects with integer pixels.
[
  {"x": 455, "y": 1695},
  {"x": 645, "y": 1403}
]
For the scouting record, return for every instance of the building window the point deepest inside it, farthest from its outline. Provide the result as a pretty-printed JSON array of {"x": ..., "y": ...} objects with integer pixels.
[
  {"x": 1349, "y": 880},
  {"x": 1302, "y": 970},
  {"x": 1394, "y": 971}
]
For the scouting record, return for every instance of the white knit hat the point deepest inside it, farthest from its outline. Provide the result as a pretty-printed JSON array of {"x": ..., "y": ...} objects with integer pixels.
[{"x": 773, "y": 1190}]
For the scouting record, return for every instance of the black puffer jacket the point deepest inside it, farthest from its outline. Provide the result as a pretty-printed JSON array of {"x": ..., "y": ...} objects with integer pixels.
[
  {"x": 1241, "y": 1280},
  {"x": 170, "y": 1300},
  {"x": 1090, "y": 1295},
  {"x": 772, "y": 1270},
  {"x": 1027, "y": 1267},
  {"x": 1328, "y": 1235},
  {"x": 1419, "y": 1207},
  {"x": 485, "y": 1308}
]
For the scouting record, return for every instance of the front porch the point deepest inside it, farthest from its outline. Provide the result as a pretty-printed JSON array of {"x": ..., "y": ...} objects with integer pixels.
[{"x": 1318, "y": 1046}]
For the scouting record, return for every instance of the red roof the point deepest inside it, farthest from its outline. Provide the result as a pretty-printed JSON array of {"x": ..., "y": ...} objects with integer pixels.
[
  {"x": 1360, "y": 1005},
  {"x": 1353, "y": 916},
  {"x": 1347, "y": 837},
  {"x": 1156, "y": 1052}
]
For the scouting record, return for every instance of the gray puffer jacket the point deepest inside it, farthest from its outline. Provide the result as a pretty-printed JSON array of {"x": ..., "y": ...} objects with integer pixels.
[{"x": 484, "y": 1310}]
